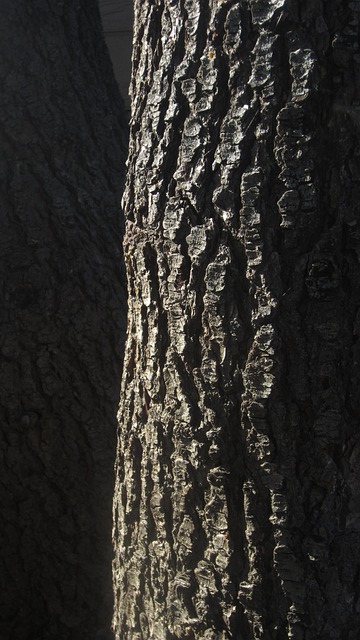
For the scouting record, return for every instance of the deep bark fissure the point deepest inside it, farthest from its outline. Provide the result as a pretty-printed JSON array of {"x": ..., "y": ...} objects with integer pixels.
[{"x": 245, "y": 218}]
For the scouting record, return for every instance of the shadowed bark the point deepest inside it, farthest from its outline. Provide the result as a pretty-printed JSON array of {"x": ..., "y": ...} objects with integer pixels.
[
  {"x": 62, "y": 316},
  {"x": 237, "y": 509}
]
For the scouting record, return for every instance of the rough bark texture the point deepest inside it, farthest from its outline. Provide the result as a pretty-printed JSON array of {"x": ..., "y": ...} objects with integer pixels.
[
  {"x": 237, "y": 506},
  {"x": 62, "y": 318}
]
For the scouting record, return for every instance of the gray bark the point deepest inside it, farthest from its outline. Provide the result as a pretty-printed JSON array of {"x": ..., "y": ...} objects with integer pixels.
[
  {"x": 237, "y": 511},
  {"x": 62, "y": 318}
]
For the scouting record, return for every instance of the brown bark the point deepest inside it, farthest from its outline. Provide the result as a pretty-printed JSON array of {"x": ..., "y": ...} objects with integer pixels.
[
  {"x": 62, "y": 317},
  {"x": 237, "y": 494}
]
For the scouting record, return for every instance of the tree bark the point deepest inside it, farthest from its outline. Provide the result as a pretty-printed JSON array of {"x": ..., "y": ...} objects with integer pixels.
[
  {"x": 237, "y": 501},
  {"x": 62, "y": 318}
]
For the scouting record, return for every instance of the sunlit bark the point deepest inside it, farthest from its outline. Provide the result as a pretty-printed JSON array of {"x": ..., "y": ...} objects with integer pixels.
[{"x": 237, "y": 497}]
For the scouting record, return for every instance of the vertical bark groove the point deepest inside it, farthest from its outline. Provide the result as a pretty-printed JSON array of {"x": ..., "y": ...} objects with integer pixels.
[{"x": 240, "y": 390}]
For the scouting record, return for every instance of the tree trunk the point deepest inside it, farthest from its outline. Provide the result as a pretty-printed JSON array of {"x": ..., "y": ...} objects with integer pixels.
[
  {"x": 237, "y": 502},
  {"x": 62, "y": 316}
]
